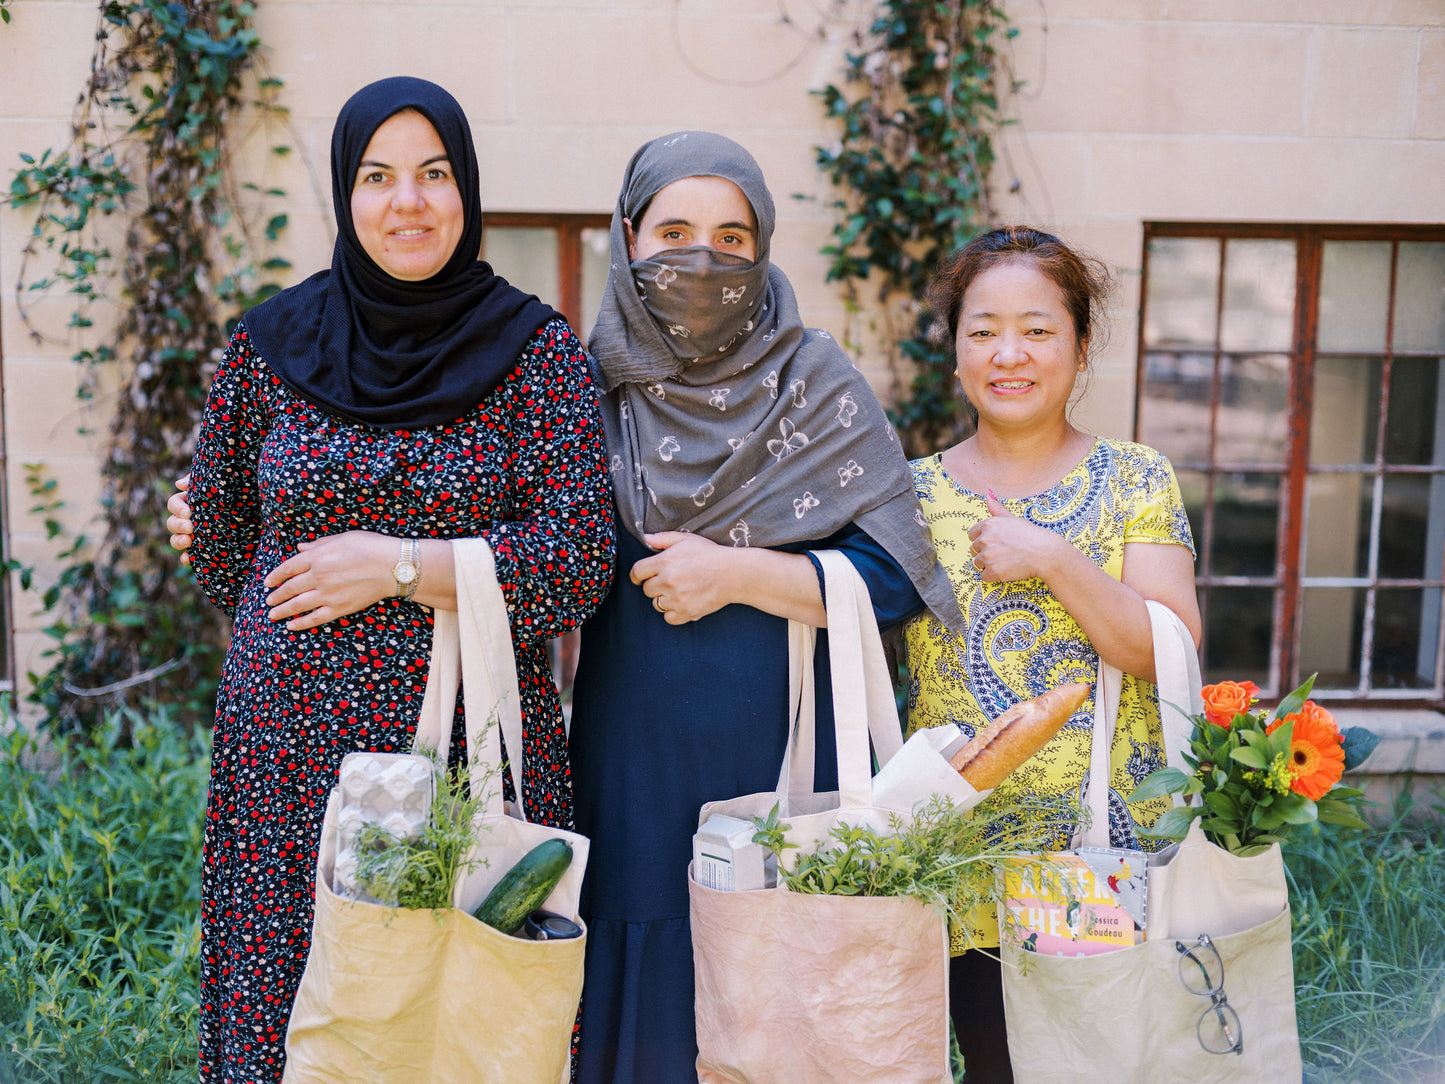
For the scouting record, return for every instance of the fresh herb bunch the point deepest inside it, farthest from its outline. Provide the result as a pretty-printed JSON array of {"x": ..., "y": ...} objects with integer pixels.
[
  {"x": 422, "y": 873},
  {"x": 941, "y": 855},
  {"x": 1260, "y": 774}
]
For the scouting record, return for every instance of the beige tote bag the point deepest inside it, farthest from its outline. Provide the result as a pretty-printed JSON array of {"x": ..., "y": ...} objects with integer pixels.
[
  {"x": 1146, "y": 1014},
  {"x": 396, "y": 996},
  {"x": 804, "y": 988}
]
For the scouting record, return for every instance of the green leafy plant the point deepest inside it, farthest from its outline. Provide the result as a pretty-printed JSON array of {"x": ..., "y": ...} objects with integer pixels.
[
  {"x": 100, "y": 858},
  {"x": 1260, "y": 775},
  {"x": 940, "y": 855},
  {"x": 148, "y": 155},
  {"x": 916, "y": 111},
  {"x": 421, "y": 873}
]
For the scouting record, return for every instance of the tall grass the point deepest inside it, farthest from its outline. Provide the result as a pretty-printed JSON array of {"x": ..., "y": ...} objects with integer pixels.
[
  {"x": 99, "y": 907},
  {"x": 1369, "y": 951},
  {"x": 99, "y": 931}
]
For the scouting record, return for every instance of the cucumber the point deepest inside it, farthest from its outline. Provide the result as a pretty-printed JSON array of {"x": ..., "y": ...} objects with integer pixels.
[{"x": 525, "y": 886}]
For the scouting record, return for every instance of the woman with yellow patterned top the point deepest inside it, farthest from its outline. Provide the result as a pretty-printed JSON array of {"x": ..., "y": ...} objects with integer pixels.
[{"x": 1054, "y": 539}]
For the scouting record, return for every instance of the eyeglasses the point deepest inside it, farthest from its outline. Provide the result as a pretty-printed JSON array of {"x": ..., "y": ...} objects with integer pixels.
[{"x": 1202, "y": 972}]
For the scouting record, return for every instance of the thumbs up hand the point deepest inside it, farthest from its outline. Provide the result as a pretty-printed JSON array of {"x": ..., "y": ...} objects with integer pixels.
[{"x": 1007, "y": 548}]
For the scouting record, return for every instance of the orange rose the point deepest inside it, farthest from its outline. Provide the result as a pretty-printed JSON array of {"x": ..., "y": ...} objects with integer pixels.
[
  {"x": 1224, "y": 701},
  {"x": 1315, "y": 754}
]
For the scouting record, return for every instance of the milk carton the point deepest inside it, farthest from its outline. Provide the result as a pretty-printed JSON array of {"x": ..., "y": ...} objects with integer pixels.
[{"x": 724, "y": 856}]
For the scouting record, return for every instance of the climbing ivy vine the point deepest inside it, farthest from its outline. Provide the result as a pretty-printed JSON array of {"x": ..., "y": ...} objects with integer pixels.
[
  {"x": 918, "y": 108},
  {"x": 141, "y": 208}
]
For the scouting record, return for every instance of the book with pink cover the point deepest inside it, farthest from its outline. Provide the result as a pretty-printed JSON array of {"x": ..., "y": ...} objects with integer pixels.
[{"x": 1092, "y": 902}]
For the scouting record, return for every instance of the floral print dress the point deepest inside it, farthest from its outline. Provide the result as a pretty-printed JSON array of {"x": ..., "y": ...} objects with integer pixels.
[
  {"x": 526, "y": 470},
  {"x": 1020, "y": 641}
]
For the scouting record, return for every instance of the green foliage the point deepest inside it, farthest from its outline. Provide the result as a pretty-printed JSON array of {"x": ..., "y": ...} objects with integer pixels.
[
  {"x": 100, "y": 854},
  {"x": 1242, "y": 775},
  {"x": 916, "y": 111},
  {"x": 941, "y": 856},
  {"x": 149, "y": 149},
  {"x": 421, "y": 873},
  {"x": 1369, "y": 961}
]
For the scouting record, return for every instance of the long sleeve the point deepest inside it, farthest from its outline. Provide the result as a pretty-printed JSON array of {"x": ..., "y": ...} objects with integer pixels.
[
  {"x": 892, "y": 593},
  {"x": 225, "y": 498},
  {"x": 555, "y": 549}
]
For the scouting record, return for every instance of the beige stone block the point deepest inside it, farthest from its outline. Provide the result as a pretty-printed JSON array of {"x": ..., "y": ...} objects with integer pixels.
[
  {"x": 630, "y": 68},
  {"x": 44, "y": 414},
  {"x": 1356, "y": 12},
  {"x": 325, "y": 52},
  {"x": 1113, "y": 76},
  {"x": 1137, "y": 178},
  {"x": 1430, "y": 92},
  {"x": 45, "y": 53},
  {"x": 555, "y": 167},
  {"x": 1362, "y": 83},
  {"x": 1039, "y": 175}
]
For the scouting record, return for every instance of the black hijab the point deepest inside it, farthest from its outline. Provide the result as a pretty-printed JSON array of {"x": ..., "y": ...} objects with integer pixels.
[{"x": 374, "y": 349}]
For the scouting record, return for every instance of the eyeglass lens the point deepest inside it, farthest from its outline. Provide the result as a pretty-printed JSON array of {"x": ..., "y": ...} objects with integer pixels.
[
  {"x": 1200, "y": 968},
  {"x": 1219, "y": 1030}
]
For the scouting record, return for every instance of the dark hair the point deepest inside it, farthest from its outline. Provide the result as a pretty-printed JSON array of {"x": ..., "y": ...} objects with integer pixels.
[{"x": 1084, "y": 281}]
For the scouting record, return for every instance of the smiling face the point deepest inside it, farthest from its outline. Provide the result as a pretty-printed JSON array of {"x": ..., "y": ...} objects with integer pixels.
[
  {"x": 1018, "y": 354},
  {"x": 707, "y": 212},
  {"x": 405, "y": 204}
]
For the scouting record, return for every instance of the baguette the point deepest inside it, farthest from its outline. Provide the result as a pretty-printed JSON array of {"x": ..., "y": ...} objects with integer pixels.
[{"x": 1016, "y": 735}]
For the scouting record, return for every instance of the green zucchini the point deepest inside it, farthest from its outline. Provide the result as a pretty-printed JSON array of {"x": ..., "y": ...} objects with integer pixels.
[{"x": 525, "y": 886}]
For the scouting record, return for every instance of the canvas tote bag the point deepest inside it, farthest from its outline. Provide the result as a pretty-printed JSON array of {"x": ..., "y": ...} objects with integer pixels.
[
  {"x": 1127, "y": 1015},
  {"x": 802, "y": 988},
  {"x": 396, "y": 996}
]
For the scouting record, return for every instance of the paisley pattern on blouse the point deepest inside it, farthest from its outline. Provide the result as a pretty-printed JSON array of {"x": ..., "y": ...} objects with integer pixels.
[
  {"x": 525, "y": 469},
  {"x": 1020, "y": 641}
]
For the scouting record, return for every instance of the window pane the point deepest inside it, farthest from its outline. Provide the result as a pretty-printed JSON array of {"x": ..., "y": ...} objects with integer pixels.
[
  {"x": 1404, "y": 654},
  {"x": 1337, "y": 524},
  {"x": 1174, "y": 412},
  {"x": 1415, "y": 429},
  {"x": 1404, "y": 516},
  {"x": 1236, "y": 638},
  {"x": 1354, "y": 295},
  {"x": 1183, "y": 283},
  {"x": 1420, "y": 297},
  {"x": 595, "y": 265},
  {"x": 1253, "y": 410},
  {"x": 1191, "y": 488},
  {"x": 526, "y": 256},
  {"x": 1259, "y": 281},
  {"x": 1246, "y": 524},
  {"x": 1329, "y": 636},
  {"x": 1346, "y": 410}
]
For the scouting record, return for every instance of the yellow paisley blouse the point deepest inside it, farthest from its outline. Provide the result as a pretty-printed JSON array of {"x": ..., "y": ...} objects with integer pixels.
[{"x": 1020, "y": 641}]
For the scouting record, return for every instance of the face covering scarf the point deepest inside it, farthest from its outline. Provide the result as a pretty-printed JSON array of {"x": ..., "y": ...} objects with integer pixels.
[{"x": 705, "y": 299}]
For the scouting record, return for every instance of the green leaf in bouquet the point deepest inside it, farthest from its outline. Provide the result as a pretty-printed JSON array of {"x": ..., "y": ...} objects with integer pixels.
[
  {"x": 1346, "y": 818},
  {"x": 1279, "y": 741},
  {"x": 1295, "y": 700},
  {"x": 1159, "y": 783},
  {"x": 1250, "y": 757},
  {"x": 1221, "y": 778},
  {"x": 1342, "y": 793},
  {"x": 1299, "y": 811},
  {"x": 1267, "y": 817},
  {"x": 1358, "y": 744},
  {"x": 1219, "y": 826},
  {"x": 1173, "y": 824},
  {"x": 1255, "y": 847},
  {"x": 1222, "y": 805},
  {"x": 1193, "y": 785}
]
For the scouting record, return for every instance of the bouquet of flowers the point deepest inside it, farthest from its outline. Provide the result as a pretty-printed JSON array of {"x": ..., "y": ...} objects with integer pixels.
[{"x": 1259, "y": 775}]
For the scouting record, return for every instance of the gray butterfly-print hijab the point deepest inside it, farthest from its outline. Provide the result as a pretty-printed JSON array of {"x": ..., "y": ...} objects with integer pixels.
[{"x": 774, "y": 438}]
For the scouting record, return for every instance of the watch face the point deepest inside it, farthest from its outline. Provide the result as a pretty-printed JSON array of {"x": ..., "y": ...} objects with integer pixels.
[{"x": 404, "y": 572}]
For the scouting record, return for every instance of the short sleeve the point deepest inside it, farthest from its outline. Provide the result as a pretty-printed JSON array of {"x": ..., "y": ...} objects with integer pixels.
[{"x": 1158, "y": 514}]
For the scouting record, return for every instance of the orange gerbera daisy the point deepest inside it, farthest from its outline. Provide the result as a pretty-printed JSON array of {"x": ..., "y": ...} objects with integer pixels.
[{"x": 1315, "y": 754}]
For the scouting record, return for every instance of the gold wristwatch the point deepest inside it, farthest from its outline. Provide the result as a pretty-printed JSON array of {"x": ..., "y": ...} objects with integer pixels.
[{"x": 407, "y": 571}]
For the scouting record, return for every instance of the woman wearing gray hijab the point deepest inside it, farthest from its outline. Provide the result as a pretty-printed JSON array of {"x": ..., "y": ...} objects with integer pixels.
[{"x": 738, "y": 439}]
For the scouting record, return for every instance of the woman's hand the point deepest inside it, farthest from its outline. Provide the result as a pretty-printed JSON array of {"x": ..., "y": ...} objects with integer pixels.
[
  {"x": 1006, "y": 548},
  {"x": 330, "y": 578},
  {"x": 690, "y": 577},
  {"x": 179, "y": 521}
]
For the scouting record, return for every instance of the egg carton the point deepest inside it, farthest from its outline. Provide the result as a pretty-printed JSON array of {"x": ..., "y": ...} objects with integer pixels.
[{"x": 391, "y": 790}]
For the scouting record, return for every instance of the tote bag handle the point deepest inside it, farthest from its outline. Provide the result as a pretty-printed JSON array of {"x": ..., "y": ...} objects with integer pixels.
[
  {"x": 863, "y": 704},
  {"x": 473, "y": 645},
  {"x": 1176, "y": 668}
]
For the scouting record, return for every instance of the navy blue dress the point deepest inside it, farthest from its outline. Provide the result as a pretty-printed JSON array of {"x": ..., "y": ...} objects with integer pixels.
[{"x": 664, "y": 719}]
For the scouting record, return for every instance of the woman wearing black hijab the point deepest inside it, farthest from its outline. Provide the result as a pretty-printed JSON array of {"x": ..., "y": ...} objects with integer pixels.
[{"x": 402, "y": 397}]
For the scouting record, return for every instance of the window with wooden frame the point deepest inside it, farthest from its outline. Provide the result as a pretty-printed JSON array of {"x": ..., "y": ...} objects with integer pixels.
[
  {"x": 562, "y": 258},
  {"x": 1293, "y": 375}
]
